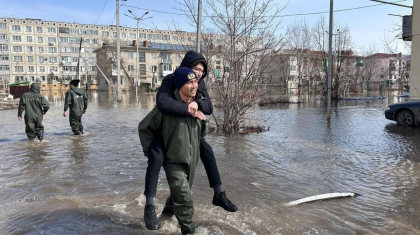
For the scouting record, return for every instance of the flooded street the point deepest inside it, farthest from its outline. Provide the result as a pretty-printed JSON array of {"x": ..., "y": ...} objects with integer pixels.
[{"x": 93, "y": 184}]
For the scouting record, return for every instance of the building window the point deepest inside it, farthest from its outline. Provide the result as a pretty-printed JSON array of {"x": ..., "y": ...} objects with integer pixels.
[
  {"x": 130, "y": 67},
  {"x": 175, "y": 38},
  {"x": 29, "y": 38},
  {"x": 123, "y": 35},
  {"x": 154, "y": 56},
  {"x": 154, "y": 68},
  {"x": 16, "y": 38},
  {"x": 114, "y": 34},
  {"x": 30, "y": 59},
  {"x": 167, "y": 67},
  {"x": 53, "y": 69},
  {"x": 31, "y": 69},
  {"x": 4, "y": 47},
  {"x": 105, "y": 34},
  {"x": 3, "y": 26},
  {"x": 16, "y": 28},
  {"x": 53, "y": 60},
  {"x": 41, "y": 59},
  {"x": 74, "y": 31},
  {"x": 178, "y": 57},
  {"x": 4, "y": 57},
  {"x": 52, "y": 49},
  {"x": 42, "y": 78},
  {"x": 41, "y": 49},
  {"x": 3, "y": 36},
  {"x": 142, "y": 57},
  {"x": 130, "y": 55},
  {"x": 51, "y": 30},
  {"x": 28, "y": 28},
  {"x": 17, "y": 48},
  {"x": 132, "y": 35},
  {"x": 32, "y": 78},
  {"x": 40, "y": 39},
  {"x": 64, "y": 39},
  {"x": 39, "y": 29},
  {"x": 4, "y": 68},
  {"x": 52, "y": 40},
  {"x": 41, "y": 68},
  {"x": 17, "y": 58},
  {"x": 142, "y": 69},
  {"x": 18, "y": 68},
  {"x": 30, "y": 49},
  {"x": 142, "y": 35}
]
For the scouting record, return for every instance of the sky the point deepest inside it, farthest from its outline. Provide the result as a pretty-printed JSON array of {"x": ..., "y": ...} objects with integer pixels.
[{"x": 367, "y": 21}]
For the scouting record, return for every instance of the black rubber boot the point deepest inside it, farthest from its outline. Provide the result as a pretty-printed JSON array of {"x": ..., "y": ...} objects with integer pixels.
[
  {"x": 188, "y": 231},
  {"x": 41, "y": 135},
  {"x": 81, "y": 131},
  {"x": 168, "y": 209},
  {"x": 221, "y": 200},
  {"x": 150, "y": 218}
]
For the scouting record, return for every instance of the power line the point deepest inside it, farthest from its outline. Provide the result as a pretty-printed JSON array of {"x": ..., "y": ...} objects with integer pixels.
[
  {"x": 102, "y": 10},
  {"x": 280, "y": 16}
]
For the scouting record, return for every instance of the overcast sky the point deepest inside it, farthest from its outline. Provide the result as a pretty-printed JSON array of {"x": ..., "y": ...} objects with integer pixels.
[{"x": 368, "y": 21}]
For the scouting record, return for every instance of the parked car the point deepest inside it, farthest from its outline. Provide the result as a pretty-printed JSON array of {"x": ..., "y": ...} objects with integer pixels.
[{"x": 406, "y": 113}]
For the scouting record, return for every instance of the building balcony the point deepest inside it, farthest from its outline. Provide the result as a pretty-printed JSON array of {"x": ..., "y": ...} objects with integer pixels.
[{"x": 166, "y": 61}]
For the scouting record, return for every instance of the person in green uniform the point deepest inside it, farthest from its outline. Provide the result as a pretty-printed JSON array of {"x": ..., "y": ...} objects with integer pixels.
[
  {"x": 181, "y": 137},
  {"x": 35, "y": 106},
  {"x": 76, "y": 99}
]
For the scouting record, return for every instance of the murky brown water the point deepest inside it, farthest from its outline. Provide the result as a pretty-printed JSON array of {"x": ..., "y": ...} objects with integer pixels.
[{"x": 93, "y": 184}]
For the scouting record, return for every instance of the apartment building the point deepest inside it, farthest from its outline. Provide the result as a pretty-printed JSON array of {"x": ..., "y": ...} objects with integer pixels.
[{"x": 32, "y": 49}]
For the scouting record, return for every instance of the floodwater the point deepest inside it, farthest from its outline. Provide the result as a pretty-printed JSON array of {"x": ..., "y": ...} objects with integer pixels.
[{"x": 93, "y": 184}]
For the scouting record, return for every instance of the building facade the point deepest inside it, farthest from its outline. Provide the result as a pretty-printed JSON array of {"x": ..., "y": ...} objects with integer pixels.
[{"x": 32, "y": 49}]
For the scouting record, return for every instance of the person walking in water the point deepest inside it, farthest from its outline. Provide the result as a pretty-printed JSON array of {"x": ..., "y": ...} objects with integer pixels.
[
  {"x": 35, "y": 106},
  {"x": 169, "y": 105},
  {"x": 76, "y": 99},
  {"x": 181, "y": 137}
]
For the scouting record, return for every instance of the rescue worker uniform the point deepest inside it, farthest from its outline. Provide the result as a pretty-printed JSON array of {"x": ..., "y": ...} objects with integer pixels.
[
  {"x": 35, "y": 106},
  {"x": 76, "y": 99}
]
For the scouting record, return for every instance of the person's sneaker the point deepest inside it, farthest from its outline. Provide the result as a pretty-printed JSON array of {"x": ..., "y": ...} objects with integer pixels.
[
  {"x": 150, "y": 218},
  {"x": 168, "y": 209},
  {"x": 221, "y": 200}
]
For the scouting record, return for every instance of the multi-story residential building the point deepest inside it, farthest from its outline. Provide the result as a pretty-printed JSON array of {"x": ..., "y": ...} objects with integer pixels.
[{"x": 32, "y": 49}]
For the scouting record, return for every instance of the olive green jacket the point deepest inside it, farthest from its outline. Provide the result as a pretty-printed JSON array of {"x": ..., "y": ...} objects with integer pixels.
[
  {"x": 33, "y": 103},
  {"x": 181, "y": 135},
  {"x": 77, "y": 100}
]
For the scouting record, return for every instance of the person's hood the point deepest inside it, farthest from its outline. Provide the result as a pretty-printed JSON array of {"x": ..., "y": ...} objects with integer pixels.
[
  {"x": 192, "y": 58},
  {"x": 35, "y": 88},
  {"x": 78, "y": 91}
]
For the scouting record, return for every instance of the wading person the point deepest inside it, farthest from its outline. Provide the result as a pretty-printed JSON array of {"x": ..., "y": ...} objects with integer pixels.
[
  {"x": 169, "y": 105},
  {"x": 181, "y": 139},
  {"x": 35, "y": 106},
  {"x": 76, "y": 99}
]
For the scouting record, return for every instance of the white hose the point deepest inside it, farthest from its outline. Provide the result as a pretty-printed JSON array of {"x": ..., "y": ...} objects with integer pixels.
[{"x": 320, "y": 197}]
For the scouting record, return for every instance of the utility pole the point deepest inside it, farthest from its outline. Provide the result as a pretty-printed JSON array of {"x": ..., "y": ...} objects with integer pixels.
[
  {"x": 137, "y": 44},
  {"x": 330, "y": 60},
  {"x": 118, "y": 53},
  {"x": 199, "y": 25}
]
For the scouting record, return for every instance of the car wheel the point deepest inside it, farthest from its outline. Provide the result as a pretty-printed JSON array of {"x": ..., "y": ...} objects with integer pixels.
[{"x": 405, "y": 118}]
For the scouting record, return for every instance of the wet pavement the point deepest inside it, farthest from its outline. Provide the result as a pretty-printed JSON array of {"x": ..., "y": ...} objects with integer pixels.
[{"x": 93, "y": 184}]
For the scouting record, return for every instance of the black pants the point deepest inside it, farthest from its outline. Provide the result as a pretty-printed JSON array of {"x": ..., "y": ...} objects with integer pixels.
[{"x": 155, "y": 160}]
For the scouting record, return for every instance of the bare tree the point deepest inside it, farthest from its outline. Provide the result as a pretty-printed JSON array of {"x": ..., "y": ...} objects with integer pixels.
[{"x": 248, "y": 34}]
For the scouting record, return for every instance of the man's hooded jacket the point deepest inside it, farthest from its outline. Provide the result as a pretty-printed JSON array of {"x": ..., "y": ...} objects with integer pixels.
[
  {"x": 76, "y": 99},
  {"x": 33, "y": 103},
  {"x": 165, "y": 99}
]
